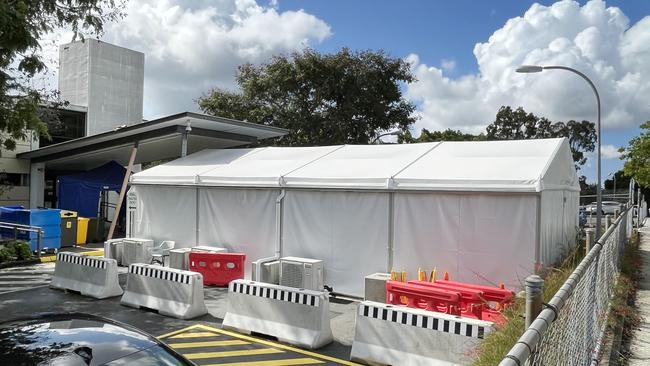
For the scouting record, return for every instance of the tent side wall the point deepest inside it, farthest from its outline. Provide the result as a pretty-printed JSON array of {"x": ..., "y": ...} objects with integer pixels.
[
  {"x": 558, "y": 225},
  {"x": 347, "y": 230},
  {"x": 165, "y": 213},
  {"x": 483, "y": 238},
  {"x": 242, "y": 220}
]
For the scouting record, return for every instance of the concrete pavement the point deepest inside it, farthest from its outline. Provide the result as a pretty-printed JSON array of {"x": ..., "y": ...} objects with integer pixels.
[{"x": 640, "y": 345}]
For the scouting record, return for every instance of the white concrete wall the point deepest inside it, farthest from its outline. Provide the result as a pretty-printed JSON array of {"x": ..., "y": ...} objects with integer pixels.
[{"x": 105, "y": 78}]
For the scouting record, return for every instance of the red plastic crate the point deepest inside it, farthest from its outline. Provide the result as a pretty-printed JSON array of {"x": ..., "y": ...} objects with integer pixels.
[{"x": 218, "y": 268}]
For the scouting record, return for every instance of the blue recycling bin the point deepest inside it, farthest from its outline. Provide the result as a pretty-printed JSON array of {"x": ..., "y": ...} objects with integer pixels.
[{"x": 47, "y": 219}]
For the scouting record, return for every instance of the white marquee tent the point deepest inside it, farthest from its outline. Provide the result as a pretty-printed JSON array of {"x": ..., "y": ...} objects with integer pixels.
[{"x": 486, "y": 212}]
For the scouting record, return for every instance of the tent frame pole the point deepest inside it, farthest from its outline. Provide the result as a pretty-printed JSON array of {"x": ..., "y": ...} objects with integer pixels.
[
  {"x": 125, "y": 183},
  {"x": 391, "y": 231}
]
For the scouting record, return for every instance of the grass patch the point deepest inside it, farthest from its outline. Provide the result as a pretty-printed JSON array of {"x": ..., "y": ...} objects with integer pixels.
[
  {"x": 497, "y": 344},
  {"x": 624, "y": 314}
]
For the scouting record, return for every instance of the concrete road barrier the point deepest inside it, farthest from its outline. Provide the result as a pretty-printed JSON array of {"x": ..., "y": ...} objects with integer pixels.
[
  {"x": 172, "y": 292},
  {"x": 91, "y": 276},
  {"x": 395, "y": 335},
  {"x": 295, "y": 316}
]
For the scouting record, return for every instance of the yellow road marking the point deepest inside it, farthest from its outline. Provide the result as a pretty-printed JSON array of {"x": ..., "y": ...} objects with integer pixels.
[
  {"x": 266, "y": 343},
  {"x": 207, "y": 344},
  {"x": 243, "y": 352},
  {"x": 288, "y": 362},
  {"x": 178, "y": 331},
  {"x": 195, "y": 335},
  {"x": 276, "y": 345}
]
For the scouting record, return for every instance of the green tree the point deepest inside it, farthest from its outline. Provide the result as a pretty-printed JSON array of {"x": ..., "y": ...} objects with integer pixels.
[
  {"x": 23, "y": 23},
  {"x": 637, "y": 157},
  {"x": 322, "y": 99},
  {"x": 432, "y": 136},
  {"x": 518, "y": 124}
]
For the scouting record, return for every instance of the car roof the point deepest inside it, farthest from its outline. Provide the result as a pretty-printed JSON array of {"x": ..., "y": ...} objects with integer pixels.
[{"x": 65, "y": 339}]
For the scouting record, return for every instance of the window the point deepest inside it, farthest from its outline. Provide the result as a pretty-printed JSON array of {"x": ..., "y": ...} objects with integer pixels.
[{"x": 14, "y": 179}]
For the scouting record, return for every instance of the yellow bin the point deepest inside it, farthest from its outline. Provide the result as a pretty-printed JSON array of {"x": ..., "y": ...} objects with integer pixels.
[{"x": 82, "y": 230}]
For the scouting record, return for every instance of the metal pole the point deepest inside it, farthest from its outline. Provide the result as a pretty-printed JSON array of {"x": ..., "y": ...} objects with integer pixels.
[
  {"x": 39, "y": 235},
  {"x": 186, "y": 133},
  {"x": 534, "y": 298},
  {"x": 125, "y": 183},
  {"x": 590, "y": 238},
  {"x": 599, "y": 198}
]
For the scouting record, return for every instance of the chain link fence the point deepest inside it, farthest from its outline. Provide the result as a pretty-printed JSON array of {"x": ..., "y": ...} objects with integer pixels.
[{"x": 570, "y": 329}]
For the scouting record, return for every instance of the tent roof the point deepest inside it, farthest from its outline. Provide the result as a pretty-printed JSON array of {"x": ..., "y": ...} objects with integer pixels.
[{"x": 507, "y": 166}]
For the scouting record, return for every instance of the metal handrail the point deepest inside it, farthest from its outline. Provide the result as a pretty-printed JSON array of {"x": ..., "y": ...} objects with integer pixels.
[
  {"x": 528, "y": 341},
  {"x": 33, "y": 229}
]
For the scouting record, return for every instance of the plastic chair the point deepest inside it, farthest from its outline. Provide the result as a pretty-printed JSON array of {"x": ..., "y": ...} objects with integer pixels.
[{"x": 159, "y": 253}]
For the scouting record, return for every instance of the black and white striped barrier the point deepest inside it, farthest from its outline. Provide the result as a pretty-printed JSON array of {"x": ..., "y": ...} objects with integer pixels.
[
  {"x": 172, "y": 292},
  {"x": 295, "y": 316},
  {"x": 91, "y": 276},
  {"x": 394, "y": 335}
]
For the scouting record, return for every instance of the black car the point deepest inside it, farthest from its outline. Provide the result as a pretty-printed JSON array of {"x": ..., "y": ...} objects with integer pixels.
[{"x": 72, "y": 339}]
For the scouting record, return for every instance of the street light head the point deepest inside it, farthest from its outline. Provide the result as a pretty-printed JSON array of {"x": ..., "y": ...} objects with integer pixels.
[{"x": 527, "y": 69}]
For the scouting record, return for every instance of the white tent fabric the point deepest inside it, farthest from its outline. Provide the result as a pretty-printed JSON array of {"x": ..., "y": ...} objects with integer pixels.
[
  {"x": 495, "y": 166},
  {"x": 347, "y": 230},
  {"x": 470, "y": 236},
  {"x": 242, "y": 220},
  {"x": 487, "y": 212}
]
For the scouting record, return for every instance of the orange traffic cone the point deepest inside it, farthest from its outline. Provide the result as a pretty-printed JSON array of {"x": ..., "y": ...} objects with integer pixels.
[
  {"x": 433, "y": 275},
  {"x": 446, "y": 276}
]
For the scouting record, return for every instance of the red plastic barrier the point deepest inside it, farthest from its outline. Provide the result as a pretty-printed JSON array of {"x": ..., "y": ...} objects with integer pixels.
[
  {"x": 440, "y": 300},
  {"x": 476, "y": 300},
  {"x": 472, "y": 302},
  {"x": 218, "y": 268},
  {"x": 495, "y": 294}
]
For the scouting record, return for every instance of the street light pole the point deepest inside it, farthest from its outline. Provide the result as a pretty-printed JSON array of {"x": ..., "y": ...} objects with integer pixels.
[
  {"x": 377, "y": 139},
  {"x": 599, "y": 198}
]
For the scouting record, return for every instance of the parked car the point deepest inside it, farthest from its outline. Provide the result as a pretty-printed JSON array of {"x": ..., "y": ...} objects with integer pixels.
[
  {"x": 582, "y": 217},
  {"x": 607, "y": 207},
  {"x": 80, "y": 339}
]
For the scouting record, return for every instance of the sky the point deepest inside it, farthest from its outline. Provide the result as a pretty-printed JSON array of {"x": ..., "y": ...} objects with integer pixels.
[{"x": 462, "y": 52}]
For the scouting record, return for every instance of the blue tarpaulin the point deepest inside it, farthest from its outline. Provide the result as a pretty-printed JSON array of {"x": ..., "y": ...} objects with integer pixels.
[{"x": 80, "y": 192}]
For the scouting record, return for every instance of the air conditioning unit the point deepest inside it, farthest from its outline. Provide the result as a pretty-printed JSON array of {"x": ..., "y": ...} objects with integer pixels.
[
  {"x": 136, "y": 250},
  {"x": 266, "y": 270},
  {"x": 113, "y": 249},
  {"x": 301, "y": 273}
]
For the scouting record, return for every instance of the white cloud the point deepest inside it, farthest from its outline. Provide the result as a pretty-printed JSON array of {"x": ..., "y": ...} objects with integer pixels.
[
  {"x": 448, "y": 65},
  {"x": 193, "y": 46},
  {"x": 593, "y": 38},
  {"x": 609, "y": 152}
]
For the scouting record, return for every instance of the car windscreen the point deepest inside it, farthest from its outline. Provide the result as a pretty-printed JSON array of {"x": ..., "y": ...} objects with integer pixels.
[{"x": 154, "y": 356}]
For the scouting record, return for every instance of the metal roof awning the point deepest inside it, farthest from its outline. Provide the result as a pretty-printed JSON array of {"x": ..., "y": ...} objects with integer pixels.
[{"x": 158, "y": 139}]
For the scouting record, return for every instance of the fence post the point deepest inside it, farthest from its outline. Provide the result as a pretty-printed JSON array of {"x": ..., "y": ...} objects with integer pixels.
[
  {"x": 534, "y": 297},
  {"x": 608, "y": 222},
  {"x": 590, "y": 238},
  {"x": 39, "y": 235}
]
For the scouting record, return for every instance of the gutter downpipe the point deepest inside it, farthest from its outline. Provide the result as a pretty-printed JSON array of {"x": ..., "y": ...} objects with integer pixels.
[{"x": 278, "y": 223}]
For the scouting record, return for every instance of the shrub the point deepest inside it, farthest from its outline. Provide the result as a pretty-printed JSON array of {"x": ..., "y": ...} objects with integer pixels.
[{"x": 23, "y": 250}]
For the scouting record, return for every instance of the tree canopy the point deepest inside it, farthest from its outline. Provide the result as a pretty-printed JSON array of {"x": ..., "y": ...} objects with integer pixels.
[
  {"x": 517, "y": 124},
  {"x": 322, "y": 99},
  {"x": 23, "y": 23},
  {"x": 432, "y": 136},
  {"x": 637, "y": 157}
]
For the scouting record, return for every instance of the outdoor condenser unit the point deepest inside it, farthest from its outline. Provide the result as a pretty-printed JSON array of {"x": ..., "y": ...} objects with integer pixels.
[
  {"x": 301, "y": 273},
  {"x": 136, "y": 251},
  {"x": 113, "y": 249},
  {"x": 266, "y": 270}
]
